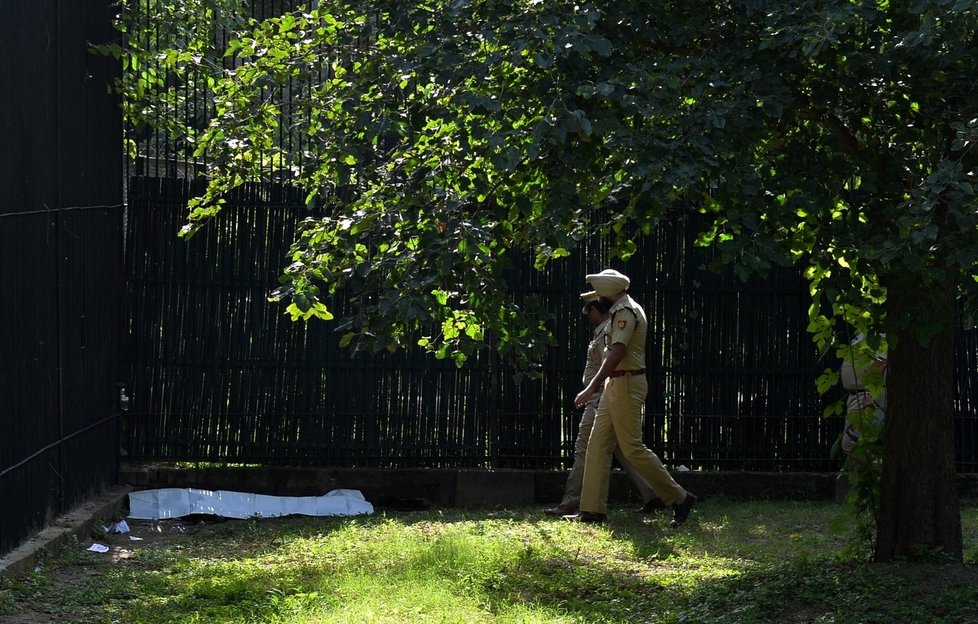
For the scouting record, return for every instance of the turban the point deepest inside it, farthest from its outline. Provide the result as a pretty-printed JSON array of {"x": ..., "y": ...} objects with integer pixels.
[{"x": 609, "y": 282}]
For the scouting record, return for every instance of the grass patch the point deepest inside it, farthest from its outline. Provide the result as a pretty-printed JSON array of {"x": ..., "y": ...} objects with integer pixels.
[{"x": 737, "y": 562}]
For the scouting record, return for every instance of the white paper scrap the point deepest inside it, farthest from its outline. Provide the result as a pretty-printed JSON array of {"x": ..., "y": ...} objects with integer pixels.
[
  {"x": 99, "y": 548},
  {"x": 119, "y": 527},
  {"x": 133, "y": 538},
  {"x": 176, "y": 502}
]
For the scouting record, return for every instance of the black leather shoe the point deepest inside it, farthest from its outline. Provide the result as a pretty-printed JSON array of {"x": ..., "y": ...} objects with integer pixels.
[
  {"x": 588, "y": 517},
  {"x": 681, "y": 510},
  {"x": 561, "y": 510},
  {"x": 651, "y": 506}
]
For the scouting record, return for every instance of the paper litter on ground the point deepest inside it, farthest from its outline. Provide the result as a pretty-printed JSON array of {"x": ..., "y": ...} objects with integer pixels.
[{"x": 176, "y": 502}]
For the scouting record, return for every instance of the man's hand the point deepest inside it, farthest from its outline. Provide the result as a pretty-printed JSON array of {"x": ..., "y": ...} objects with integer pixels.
[
  {"x": 583, "y": 397},
  {"x": 612, "y": 359}
]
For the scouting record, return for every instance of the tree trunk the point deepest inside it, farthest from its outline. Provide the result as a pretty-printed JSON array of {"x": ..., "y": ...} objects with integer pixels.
[{"x": 919, "y": 514}]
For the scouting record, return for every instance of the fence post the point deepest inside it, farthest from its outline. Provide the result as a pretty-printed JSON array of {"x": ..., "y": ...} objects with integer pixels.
[{"x": 493, "y": 403}]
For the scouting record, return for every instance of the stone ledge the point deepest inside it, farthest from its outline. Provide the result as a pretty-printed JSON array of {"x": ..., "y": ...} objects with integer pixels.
[
  {"x": 79, "y": 522},
  {"x": 463, "y": 488},
  {"x": 420, "y": 487},
  {"x": 504, "y": 488}
]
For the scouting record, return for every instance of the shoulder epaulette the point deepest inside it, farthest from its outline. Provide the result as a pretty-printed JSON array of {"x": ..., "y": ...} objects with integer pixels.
[{"x": 635, "y": 314}]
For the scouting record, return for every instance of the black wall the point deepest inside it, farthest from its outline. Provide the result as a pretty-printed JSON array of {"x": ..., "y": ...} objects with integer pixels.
[{"x": 61, "y": 251}]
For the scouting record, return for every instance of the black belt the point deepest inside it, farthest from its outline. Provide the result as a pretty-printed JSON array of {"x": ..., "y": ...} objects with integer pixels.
[{"x": 622, "y": 373}]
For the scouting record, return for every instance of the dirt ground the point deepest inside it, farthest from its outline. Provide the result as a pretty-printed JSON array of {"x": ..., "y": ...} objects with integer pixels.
[{"x": 68, "y": 578}]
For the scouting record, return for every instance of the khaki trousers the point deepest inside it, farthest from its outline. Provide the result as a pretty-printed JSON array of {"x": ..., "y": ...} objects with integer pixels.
[
  {"x": 575, "y": 480},
  {"x": 618, "y": 420}
]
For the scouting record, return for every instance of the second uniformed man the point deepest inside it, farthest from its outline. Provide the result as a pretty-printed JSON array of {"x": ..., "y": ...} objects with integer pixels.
[{"x": 619, "y": 414}]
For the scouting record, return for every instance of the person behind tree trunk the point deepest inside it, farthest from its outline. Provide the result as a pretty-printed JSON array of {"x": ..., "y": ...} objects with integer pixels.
[
  {"x": 862, "y": 369},
  {"x": 619, "y": 414},
  {"x": 597, "y": 313}
]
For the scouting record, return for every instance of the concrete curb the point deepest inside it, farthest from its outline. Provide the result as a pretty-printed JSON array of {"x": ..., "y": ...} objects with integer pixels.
[{"x": 79, "y": 523}]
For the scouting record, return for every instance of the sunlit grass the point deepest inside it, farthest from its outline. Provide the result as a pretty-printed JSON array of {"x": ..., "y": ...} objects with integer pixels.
[{"x": 734, "y": 562}]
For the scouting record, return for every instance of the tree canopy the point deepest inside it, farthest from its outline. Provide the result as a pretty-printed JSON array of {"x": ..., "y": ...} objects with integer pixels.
[{"x": 440, "y": 138}]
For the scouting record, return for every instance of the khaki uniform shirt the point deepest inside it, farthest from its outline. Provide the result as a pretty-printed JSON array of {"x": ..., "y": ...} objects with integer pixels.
[
  {"x": 852, "y": 379},
  {"x": 628, "y": 326},
  {"x": 595, "y": 352}
]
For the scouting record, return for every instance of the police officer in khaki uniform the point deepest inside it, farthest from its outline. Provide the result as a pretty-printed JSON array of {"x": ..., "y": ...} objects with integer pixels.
[
  {"x": 619, "y": 414},
  {"x": 597, "y": 313},
  {"x": 857, "y": 379}
]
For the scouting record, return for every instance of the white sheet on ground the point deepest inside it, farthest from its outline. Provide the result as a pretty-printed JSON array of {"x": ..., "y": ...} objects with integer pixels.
[{"x": 176, "y": 502}]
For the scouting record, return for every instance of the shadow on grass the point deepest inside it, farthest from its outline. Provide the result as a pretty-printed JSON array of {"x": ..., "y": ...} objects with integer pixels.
[{"x": 738, "y": 563}]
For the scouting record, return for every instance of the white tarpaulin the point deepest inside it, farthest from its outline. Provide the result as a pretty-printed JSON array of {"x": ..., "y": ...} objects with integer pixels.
[{"x": 177, "y": 502}]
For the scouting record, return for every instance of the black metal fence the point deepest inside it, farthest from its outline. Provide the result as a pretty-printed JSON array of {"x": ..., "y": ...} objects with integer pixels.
[
  {"x": 60, "y": 262},
  {"x": 218, "y": 374}
]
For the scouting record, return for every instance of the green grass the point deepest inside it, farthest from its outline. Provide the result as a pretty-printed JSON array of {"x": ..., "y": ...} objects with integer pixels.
[{"x": 736, "y": 562}]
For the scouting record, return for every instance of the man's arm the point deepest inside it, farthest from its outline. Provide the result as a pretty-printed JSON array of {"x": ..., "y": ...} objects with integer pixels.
[{"x": 615, "y": 355}]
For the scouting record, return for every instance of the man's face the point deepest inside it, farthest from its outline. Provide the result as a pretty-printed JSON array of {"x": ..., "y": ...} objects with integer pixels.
[{"x": 594, "y": 315}]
